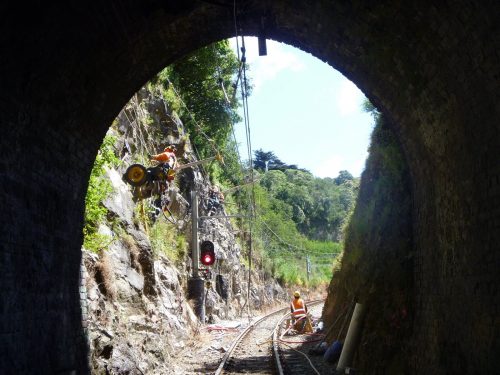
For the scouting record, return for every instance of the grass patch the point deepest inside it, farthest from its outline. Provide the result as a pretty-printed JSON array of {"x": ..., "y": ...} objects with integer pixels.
[
  {"x": 98, "y": 190},
  {"x": 166, "y": 240}
]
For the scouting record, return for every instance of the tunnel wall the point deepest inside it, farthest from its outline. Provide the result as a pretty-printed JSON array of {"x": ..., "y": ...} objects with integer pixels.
[{"x": 433, "y": 69}]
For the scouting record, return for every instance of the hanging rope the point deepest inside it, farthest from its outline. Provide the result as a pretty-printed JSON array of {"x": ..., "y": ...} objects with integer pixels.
[
  {"x": 136, "y": 123},
  {"x": 198, "y": 126},
  {"x": 230, "y": 110}
]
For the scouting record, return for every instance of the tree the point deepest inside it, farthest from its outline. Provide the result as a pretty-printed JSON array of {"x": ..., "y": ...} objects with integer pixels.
[
  {"x": 273, "y": 181},
  {"x": 204, "y": 81},
  {"x": 198, "y": 78},
  {"x": 343, "y": 177},
  {"x": 267, "y": 160}
]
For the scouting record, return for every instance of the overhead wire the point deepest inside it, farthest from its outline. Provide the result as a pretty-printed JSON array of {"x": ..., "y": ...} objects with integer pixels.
[
  {"x": 244, "y": 96},
  {"x": 246, "y": 115},
  {"x": 229, "y": 109},
  {"x": 247, "y": 122},
  {"x": 199, "y": 127},
  {"x": 135, "y": 124},
  {"x": 241, "y": 79},
  {"x": 244, "y": 85}
]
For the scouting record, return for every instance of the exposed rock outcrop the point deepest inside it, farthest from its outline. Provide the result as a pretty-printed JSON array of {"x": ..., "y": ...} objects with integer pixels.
[{"x": 138, "y": 312}]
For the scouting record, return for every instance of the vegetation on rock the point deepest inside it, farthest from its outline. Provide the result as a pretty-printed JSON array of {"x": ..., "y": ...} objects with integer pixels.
[
  {"x": 299, "y": 218},
  {"x": 203, "y": 81},
  {"x": 375, "y": 269},
  {"x": 98, "y": 190}
]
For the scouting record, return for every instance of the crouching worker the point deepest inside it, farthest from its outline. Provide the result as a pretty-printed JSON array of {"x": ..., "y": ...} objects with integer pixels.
[{"x": 299, "y": 312}]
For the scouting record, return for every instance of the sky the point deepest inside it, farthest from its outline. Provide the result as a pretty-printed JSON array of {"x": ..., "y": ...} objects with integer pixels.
[{"x": 304, "y": 111}]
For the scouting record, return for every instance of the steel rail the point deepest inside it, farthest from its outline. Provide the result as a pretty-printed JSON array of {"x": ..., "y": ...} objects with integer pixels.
[
  {"x": 247, "y": 330},
  {"x": 276, "y": 338},
  {"x": 240, "y": 337}
]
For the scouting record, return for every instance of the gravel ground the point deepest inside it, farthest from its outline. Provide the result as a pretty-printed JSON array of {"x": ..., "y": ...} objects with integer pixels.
[{"x": 204, "y": 352}]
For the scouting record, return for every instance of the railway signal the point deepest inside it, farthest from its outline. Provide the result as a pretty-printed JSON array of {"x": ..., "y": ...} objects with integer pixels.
[{"x": 207, "y": 253}]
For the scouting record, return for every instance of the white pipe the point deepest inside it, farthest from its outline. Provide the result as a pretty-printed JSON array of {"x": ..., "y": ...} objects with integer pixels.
[{"x": 352, "y": 338}]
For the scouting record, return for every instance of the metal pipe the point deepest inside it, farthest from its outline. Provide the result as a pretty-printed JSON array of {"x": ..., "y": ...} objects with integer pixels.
[
  {"x": 196, "y": 285},
  {"x": 192, "y": 164},
  {"x": 195, "y": 246},
  {"x": 352, "y": 338},
  {"x": 225, "y": 216}
]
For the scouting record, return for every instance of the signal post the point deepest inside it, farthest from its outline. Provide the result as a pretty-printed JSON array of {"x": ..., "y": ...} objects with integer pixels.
[{"x": 196, "y": 284}]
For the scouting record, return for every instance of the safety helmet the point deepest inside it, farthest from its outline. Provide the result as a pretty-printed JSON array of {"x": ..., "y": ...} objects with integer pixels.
[
  {"x": 170, "y": 148},
  {"x": 296, "y": 294}
]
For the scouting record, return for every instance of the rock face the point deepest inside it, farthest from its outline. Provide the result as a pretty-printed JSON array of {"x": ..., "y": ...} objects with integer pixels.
[
  {"x": 136, "y": 295},
  {"x": 377, "y": 263}
]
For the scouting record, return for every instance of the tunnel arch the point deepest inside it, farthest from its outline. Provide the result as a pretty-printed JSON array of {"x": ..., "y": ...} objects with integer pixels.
[{"x": 432, "y": 68}]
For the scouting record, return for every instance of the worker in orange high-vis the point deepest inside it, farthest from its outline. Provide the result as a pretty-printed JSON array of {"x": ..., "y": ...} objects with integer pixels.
[
  {"x": 168, "y": 160},
  {"x": 167, "y": 156},
  {"x": 299, "y": 311}
]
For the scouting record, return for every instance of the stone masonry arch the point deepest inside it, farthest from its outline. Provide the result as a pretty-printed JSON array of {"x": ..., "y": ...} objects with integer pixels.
[{"x": 66, "y": 70}]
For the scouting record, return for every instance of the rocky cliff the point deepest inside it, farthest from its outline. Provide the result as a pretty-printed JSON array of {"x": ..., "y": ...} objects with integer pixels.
[
  {"x": 138, "y": 314},
  {"x": 376, "y": 268}
]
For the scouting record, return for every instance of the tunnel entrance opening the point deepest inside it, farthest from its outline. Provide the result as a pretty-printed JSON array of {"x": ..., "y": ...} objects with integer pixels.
[
  {"x": 145, "y": 123},
  {"x": 433, "y": 69}
]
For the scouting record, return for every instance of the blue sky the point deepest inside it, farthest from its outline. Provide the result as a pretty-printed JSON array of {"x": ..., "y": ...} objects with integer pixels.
[{"x": 304, "y": 111}]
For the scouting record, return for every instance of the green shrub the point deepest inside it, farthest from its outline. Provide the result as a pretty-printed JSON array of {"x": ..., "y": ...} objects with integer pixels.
[
  {"x": 98, "y": 190},
  {"x": 166, "y": 240}
]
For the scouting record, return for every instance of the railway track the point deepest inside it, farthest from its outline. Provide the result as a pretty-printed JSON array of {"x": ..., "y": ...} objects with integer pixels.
[{"x": 260, "y": 349}]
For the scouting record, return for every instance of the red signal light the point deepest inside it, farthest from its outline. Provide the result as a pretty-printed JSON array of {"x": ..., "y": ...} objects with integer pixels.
[
  {"x": 207, "y": 259},
  {"x": 207, "y": 253}
]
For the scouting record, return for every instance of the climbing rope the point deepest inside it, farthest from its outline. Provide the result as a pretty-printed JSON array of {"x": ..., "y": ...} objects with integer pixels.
[{"x": 191, "y": 115}]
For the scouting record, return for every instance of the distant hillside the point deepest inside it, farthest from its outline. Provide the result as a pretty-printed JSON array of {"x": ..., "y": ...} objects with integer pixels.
[{"x": 318, "y": 206}]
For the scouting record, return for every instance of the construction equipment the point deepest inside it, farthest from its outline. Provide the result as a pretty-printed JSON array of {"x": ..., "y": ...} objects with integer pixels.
[{"x": 301, "y": 324}]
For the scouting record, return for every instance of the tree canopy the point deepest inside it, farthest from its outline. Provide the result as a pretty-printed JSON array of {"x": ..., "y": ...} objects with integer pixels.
[
  {"x": 267, "y": 160},
  {"x": 204, "y": 80},
  {"x": 319, "y": 207},
  {"x": 343, "y": 177}
]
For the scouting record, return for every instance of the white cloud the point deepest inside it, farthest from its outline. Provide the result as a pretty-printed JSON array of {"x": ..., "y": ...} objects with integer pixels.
[
  {"x": 332, "y": 165},
  {"x": 329, "y": 167},
  {"x": 348, "y": 98},
  {"x": 358, "y": 165},
  {"x": 265, "y": 68}
]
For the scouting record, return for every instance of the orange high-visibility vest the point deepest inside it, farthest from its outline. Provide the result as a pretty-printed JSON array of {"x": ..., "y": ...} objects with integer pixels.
[
  {"x": 298, "y": 307},
  {"x": 166, "y": 157}
]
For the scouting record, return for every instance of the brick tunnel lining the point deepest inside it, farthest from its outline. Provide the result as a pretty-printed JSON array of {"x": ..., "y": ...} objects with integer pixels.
[{"x": 433, "y": 70}]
